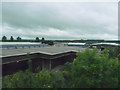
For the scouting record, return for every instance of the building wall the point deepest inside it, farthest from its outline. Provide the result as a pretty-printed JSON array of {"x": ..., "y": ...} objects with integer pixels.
[{"x": 10, "y": 68}]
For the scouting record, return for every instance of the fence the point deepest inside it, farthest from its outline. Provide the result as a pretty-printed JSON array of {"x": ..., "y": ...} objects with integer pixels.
[{"x": 15, "y": 46}]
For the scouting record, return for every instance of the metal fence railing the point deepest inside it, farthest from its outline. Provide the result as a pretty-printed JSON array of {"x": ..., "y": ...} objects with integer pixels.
[{"x": 15, "y": 46}]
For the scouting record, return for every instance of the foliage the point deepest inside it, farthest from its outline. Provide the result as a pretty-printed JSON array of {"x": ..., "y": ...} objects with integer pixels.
[
  {"x": 11, "y": 38},
  {"x": 19, "y": 38},
  {"x": 30, "y": 65},
  {"x": 37, "y": 39},
  {"x": 48, "y": 42},
  {"x": 93, "y": 70},
  {"x": 43, "y": 39},
  {"x": 114, "y": 52},
  {"x": 4, "y": 38},
  {"x": 26, "y": 79},
  {"x": 88, "y": 70}
]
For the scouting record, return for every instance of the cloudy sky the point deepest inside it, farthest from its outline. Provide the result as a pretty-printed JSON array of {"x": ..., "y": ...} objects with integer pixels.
[{"x": 60, "y": 20}]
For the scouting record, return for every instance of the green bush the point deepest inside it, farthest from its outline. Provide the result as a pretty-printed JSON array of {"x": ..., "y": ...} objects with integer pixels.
[
  {"x": 18, "y": 80},
  {"x": 114, "y": 52},
  {"x": 93, "y": 70}
]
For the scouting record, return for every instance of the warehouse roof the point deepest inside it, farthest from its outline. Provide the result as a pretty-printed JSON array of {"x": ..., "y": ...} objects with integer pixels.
[
  {"x": 46, "y": 50},
  {"x": 76, "y": 43}
]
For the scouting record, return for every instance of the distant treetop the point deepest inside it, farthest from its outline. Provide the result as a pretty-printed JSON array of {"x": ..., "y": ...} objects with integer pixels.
[
  {"x": 11, "y": 38},
  {"x": 4, "y": 38}
]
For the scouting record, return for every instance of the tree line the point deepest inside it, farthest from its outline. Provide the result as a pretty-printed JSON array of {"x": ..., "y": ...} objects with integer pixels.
[
  {"x": 37, "y": 39},
  {"x": 19, "y": 39}
]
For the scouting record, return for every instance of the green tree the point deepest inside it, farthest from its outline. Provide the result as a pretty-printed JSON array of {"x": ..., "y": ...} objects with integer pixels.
[
  {"x": 92, "y": 70},
  {"x": 19, "y": 39},
  {"x": 113, "y": 52},
  {"x": 4, "y": 38},
  {"x": 43, "y": 39},
  {"x": 37, "y": 39},
  {"x": 11, "y": 38}
]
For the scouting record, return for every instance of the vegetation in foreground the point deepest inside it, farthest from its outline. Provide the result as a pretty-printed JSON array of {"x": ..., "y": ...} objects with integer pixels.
[{"x": 88, "y": 70}]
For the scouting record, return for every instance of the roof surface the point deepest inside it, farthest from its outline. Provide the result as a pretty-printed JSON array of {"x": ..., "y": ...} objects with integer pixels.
[
  {"x": 112, "y": 44},
  {"x": 76, "y": 43},
  {"x": 46, "y": 50}
]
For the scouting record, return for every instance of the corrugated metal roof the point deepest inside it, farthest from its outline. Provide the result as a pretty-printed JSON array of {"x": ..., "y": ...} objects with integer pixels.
[
  {"x": 46, "y": 50},
  {"x": 76, "y": 43}
]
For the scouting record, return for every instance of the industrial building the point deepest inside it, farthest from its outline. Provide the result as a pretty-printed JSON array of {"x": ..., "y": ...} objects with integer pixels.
[
  {"x": 14, "y": 60},
  {"x": 104, "y": 45},
  {"x": 76, "y": 44},
  {"x": 47, "y": 57}
]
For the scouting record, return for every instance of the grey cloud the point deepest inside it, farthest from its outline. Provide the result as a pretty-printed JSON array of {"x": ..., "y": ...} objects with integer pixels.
[{"x": 77, "y": 18}]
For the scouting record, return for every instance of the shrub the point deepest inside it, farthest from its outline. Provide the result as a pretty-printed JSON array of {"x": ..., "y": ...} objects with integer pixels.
[
  {"x": 114, "y": 52},
  {"x": 93, "y": 70}
]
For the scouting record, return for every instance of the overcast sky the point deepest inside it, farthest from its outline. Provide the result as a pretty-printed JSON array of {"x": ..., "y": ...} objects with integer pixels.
[{"x": 65, "y": 20}]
